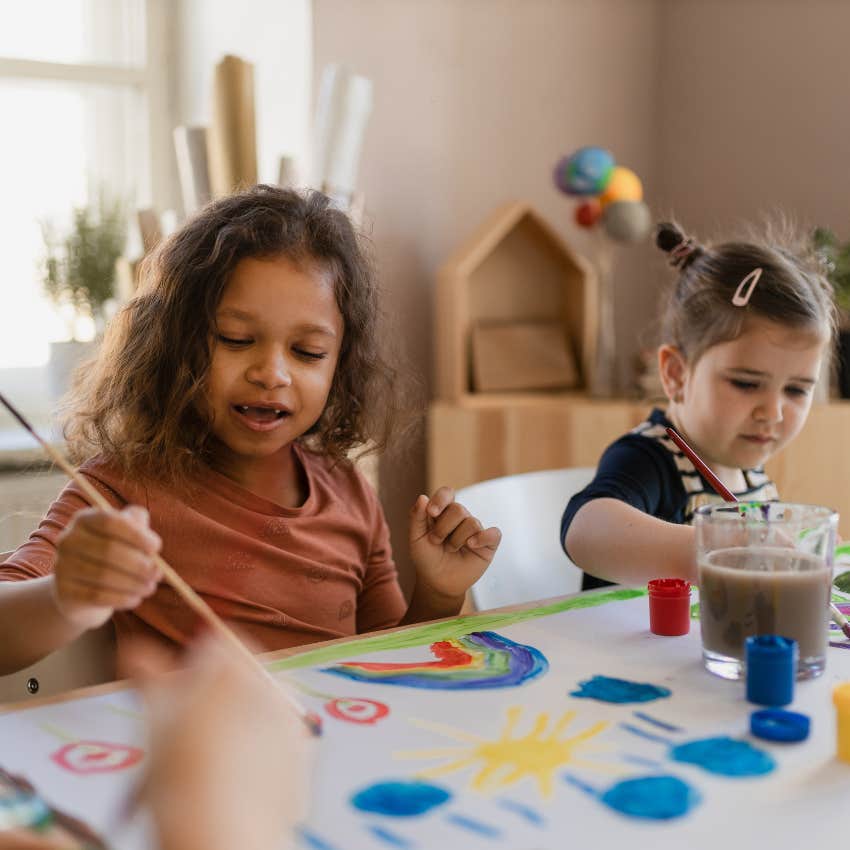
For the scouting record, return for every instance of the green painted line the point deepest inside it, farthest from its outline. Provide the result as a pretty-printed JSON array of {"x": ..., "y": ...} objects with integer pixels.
[{"x": 446, "y": 630}]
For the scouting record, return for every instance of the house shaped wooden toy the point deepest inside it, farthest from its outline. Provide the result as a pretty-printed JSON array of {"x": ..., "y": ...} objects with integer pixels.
[{"x": 516, "y": 310}]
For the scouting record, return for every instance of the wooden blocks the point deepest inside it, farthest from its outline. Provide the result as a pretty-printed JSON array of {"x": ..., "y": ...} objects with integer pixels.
[{"x": 514, "y": 273}]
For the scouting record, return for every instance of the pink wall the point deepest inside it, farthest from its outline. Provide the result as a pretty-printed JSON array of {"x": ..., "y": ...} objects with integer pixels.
[
  {"x": 475, "y": 100},
  {"x": 754, "y": 99}
]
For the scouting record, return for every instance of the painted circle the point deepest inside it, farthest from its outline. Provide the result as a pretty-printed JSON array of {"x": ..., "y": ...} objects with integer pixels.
[{"x": 355, "y": 710}]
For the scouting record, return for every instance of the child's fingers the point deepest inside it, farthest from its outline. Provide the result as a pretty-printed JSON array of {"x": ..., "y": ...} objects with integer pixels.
[
  {"x": 108, "y": 554},
  {"x": 442, "y": 498},
  {"x": 447, "y": 522},
  {"x": 487, "y": 539},
  {"x": 129, "y": 526},
  {"x": 457, "y": 539}
]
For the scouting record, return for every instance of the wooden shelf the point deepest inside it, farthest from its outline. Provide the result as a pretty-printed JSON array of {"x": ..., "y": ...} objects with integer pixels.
[{"x": 486, "y": 436}]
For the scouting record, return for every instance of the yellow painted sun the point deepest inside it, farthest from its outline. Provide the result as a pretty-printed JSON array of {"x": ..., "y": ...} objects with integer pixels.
[{"x": 508, "y": 759}]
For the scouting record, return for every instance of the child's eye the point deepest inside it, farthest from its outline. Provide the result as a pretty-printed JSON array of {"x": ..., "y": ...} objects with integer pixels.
[
  {"x": 797, "y": 391},
  {"x": 227, "y": 340},
  {"x": 746, "y": 386},
  {"x": 310, "y": 355}
]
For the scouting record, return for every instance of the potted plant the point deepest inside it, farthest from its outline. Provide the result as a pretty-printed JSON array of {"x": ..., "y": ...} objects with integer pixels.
[
  {"x": 835, "y": 258},
  {"x": 79, "y": 277}
]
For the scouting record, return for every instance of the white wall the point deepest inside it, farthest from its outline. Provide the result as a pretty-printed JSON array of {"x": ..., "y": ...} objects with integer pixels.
[{"x": 273, "y": 34}]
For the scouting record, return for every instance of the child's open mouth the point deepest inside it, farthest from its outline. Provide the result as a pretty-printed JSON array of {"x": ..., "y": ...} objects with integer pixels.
[{"x": 260, "y": 418}]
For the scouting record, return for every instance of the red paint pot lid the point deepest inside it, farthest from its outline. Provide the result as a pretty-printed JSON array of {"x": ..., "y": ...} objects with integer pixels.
[{"x": 669, "y": 587}]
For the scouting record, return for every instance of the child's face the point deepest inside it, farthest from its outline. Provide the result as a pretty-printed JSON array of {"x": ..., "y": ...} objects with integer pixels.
[
  {"x": 745, "y": 399},
  {"x": 277, "y": 343}
]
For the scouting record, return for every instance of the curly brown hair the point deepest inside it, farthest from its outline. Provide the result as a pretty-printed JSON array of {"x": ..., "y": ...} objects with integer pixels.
[{"x": 140, "y": 403}]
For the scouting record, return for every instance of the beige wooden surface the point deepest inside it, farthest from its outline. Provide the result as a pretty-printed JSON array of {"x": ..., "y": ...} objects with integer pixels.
[{"x": 487, "y": 437}]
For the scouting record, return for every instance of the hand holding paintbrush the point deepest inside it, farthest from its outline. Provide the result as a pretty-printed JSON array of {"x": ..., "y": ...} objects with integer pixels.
[
  {"x": 838, "y": 618},
  {"x": 125, "y": 582}
]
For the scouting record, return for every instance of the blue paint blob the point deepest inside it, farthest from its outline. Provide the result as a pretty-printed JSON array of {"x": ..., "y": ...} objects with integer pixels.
[
  {"x": 652, "y": 797},
  {"x": 724, "y": 756},
  {"x": 607, "y": 689},
  {"x": 401, "y": 799}
]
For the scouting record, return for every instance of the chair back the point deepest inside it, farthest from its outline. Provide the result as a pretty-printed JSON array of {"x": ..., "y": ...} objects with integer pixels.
[
  {"x": 530, "y": 563},
  {"x": 88, "y": 660}
]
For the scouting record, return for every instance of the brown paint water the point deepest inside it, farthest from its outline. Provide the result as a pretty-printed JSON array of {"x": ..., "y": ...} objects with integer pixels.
[{"x": 759, "y": 590}]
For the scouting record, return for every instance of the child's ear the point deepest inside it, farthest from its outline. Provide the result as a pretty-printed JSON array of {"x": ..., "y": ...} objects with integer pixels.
[{"x": 672, "y": 369}]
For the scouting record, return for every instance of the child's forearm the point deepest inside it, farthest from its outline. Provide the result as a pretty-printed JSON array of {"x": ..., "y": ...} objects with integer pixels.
[
  {"x": 614, "y": 541},
  {"x": 31, "y": 625},
  {"x": 428, "y": 605}
]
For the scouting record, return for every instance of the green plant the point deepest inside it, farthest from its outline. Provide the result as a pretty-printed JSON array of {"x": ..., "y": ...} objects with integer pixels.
[
  {"x": 835, "y": 257},
  {"x": 79, "y": 266}
]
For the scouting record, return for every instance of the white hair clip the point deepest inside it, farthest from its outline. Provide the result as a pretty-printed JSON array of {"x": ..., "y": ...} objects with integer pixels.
[{"x": 742, "y": 298}]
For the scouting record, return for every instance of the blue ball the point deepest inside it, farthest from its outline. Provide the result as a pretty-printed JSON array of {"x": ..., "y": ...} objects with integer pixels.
[{"x": 584, "y": 172}]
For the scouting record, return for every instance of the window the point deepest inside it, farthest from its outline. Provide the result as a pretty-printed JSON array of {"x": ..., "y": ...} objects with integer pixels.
[{"x": 75, "y": 93}]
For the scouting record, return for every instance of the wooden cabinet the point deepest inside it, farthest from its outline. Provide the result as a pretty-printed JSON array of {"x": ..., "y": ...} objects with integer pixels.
[{"x": 486, "y": 436}]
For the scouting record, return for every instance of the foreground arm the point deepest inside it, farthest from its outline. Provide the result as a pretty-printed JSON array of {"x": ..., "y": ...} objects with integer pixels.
[{"x": 614, "y": 541}]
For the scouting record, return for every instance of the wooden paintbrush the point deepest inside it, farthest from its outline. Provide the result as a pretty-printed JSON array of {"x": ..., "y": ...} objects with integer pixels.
[
  {"x": 189, "y": 596},
  {"x": 837, "y": 617}
]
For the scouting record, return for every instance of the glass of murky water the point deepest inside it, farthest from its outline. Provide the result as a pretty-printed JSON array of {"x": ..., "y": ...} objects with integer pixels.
[{"x": 764, "y": 568}]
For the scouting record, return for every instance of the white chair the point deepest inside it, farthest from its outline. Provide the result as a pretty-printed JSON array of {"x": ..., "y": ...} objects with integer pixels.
[
  {"x": 88, "y": 660},
  {"x": 530, "y": 563}
]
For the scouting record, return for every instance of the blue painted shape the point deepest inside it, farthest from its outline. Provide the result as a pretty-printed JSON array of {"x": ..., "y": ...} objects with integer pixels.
[
  {"x": 724, "y": 756},
  {"x": 531, "y": 815},
  {"x": 606, "y": 689},
  {"x": 402, "y": 798},
  {"x": 661, "y": 724},
  {"x": 651, "y": 797},
  {"x": 390, "y": 838},
  {"x": 472, "y": 825},
  {"x": 572, "y": 779},
  {"x": 312, "y": 841}
]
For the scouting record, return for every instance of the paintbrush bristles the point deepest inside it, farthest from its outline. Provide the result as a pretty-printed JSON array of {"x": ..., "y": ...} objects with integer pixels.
[{"x": 192, "y": 599}]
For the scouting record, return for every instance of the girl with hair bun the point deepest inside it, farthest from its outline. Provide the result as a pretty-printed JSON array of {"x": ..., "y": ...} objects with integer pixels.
[{"x": 745, "y": 329}]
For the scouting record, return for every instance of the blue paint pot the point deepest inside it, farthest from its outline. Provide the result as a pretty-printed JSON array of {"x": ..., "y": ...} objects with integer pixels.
[{"x": 771, "y": 669}]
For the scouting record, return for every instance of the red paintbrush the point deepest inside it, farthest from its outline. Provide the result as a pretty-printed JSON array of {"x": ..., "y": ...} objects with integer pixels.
[{"x": 720, "y": 488}]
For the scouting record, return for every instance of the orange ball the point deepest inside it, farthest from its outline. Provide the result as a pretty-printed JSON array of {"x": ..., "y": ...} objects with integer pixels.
[{"x": 624, "y": 185}]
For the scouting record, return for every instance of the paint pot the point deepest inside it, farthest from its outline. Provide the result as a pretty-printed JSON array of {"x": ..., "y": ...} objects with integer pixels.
[
  {"x": 771, "y": 669},
  {"x": 669, "y": 606},
  {"x": 841, "y": 700}
]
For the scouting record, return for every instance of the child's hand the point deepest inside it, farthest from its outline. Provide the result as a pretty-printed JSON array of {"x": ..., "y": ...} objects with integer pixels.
[
  {"x": 448, "y": 546},
  {"x": 105, "y": 562},
  {"x": 229, "y": 763}
]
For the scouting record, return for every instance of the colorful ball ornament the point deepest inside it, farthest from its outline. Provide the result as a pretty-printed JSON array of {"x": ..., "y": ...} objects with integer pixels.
[
  {"x": 624, "y": 185},
  {"x": 588, "y": 212},
  {"x": 584, "y": 172},
  {"x": 627, "y": 221}
]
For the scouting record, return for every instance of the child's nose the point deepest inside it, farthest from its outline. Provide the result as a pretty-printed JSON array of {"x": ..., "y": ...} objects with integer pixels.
[
  {"x": 270, "y": 370},
  {"x": 769, "y": 409}
]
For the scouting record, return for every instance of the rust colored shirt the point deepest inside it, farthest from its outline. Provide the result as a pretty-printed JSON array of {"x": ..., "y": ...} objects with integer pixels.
[{"x": 280, "y": 576}]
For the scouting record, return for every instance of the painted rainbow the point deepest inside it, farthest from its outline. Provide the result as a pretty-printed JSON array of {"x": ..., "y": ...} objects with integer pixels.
[{"x": 470, "y": 662}]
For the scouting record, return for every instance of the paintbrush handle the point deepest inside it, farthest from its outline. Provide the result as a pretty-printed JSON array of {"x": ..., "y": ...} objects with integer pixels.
[{"x": 720, "y": 488}]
